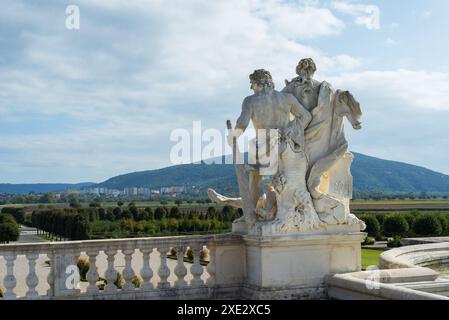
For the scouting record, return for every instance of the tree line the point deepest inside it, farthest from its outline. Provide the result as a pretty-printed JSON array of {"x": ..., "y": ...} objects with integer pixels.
[
  {"x": 98, "y": 222},
  {"x": 394, "y": 225}
]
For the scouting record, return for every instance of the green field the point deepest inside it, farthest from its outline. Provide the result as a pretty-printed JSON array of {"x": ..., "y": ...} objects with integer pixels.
[
  {"x": 194, "y": 204},
  {"x": 113, "y": 204},
  {"x": 401, "y": 202},
  {"x": 370, "y": 257}
]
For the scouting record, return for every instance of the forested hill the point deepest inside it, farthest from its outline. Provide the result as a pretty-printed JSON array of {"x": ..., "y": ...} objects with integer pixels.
[{"x": 370, "y": 174}]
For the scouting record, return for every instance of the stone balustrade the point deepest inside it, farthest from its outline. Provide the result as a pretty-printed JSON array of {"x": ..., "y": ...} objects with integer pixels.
[{"x": 49, "y": 270}]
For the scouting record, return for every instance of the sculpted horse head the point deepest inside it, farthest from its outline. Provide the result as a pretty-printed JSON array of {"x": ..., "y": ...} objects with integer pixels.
[{"x": 348, "y": 107}]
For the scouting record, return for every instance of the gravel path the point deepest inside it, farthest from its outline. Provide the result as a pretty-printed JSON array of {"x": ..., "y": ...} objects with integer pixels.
[{"x": 29, "y": 235}]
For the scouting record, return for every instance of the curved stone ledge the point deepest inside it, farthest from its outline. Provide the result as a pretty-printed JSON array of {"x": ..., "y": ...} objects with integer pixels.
[
  {"x": 402, "y": 276},
  {"x": 416, "y": 255},
  {"x": 382, "y": 285}
]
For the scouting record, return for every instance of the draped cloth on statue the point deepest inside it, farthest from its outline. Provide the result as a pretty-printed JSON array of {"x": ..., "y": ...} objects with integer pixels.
[{"x": 325, "y": 143}]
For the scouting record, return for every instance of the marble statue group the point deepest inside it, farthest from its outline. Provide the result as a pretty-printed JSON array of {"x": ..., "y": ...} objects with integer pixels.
[{"x": 311, "y": 184}]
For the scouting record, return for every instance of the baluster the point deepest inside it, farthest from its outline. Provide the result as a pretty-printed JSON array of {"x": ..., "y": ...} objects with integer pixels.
[
  {"x": 32, "y": 280},
  {"x": 92, "y": 275},
  {"x": 10, "y": 280},
  {"x": 128, "y": 272},
  {"x": 211, "y": 269},
  {"x": 65, "y": 272},
  {"x": 196, "y": 269},
  {"x": 146, "y": 273},
  {"x": 110, "y": 274},
  {"x": 71, "y": 259},
  {"x": 164, "y": 270},
  {"x": 51, "y": 275},
  {"x": 180, "y": 269}
]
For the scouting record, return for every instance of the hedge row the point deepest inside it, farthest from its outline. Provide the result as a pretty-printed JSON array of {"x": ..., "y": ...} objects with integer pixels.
[
  {"x": 63, "y": 223},
  {"x": 148, "y": 214},
  {"x": 87, "y": 223},
  {"x": 406, "y": 224},
  {"x": 128, "y": 227}
]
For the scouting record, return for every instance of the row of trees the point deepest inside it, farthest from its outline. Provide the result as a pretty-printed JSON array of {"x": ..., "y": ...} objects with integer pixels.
[
  {"x": 93, "y": 222},
  {"x": 406, "y": 224},
  {"x": 62, "y": 223},
  {"x": 131, "y": 228},
  {"x": 43, "y": 198},
  {"x": 97, "y": 202},
  {"x": 76, "y": 199},
  {"x": 149, "y": 214},
  {"x": 381, "y": 195}
]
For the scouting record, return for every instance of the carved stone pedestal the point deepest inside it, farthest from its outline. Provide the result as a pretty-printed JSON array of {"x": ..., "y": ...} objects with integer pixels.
[
  {"x": 296, "y": 266},
  {"x": 239, "y": 227}
]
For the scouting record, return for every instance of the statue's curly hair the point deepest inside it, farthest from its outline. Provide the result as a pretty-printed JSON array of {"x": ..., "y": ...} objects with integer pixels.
[
  {"x": 306, "y": 64},
  {"x": 262, "y": 77}
]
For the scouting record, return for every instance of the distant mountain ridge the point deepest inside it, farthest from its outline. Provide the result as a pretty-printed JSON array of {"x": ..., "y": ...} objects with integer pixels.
[
  {"x": 27, "y": 188},
  {"x": 370, "y": 174}
]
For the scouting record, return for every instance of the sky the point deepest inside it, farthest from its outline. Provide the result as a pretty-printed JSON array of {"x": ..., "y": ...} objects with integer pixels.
[{"x": 88, "y": 103}]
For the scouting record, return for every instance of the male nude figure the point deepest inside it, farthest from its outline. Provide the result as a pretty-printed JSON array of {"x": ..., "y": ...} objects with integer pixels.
[{"x": 268, "y": 109}]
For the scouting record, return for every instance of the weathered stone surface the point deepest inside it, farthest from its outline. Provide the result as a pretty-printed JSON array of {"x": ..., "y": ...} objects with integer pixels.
[
  {"x": 307, "y": 183},
  {"x": 299, "y": 231},
  {"x": 297, "y": 266},
  {"x": 415, "y": 255},
  {"x": 366, "y": 285}
]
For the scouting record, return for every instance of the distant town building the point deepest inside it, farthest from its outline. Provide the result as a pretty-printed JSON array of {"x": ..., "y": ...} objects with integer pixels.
[
  {"x": 171, "y": 190},
  {"x": 132, "y": 191}
]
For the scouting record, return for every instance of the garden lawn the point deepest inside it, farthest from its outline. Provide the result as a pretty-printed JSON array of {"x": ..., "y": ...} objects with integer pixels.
[{"x": 370, "y": 257}]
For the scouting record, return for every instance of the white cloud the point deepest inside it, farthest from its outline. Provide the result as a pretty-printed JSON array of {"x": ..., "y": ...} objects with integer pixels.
[
  {"x": 135, "y": 70},
  {"x": 405, "y": 115},
  {"x": 88, "y": 73},
  {"x": 366, "y": 15},
  {"x": 419, "y": 89},
  {"x": 298, "y": 21}
]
